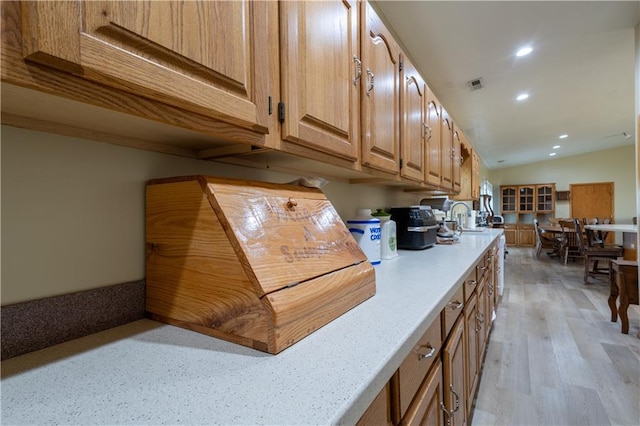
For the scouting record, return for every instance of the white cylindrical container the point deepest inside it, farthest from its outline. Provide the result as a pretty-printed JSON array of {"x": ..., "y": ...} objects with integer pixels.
[
  {"x": 388, "y": 241},
  {"x": 471, "y": 220},
  {"x": 367, "y": 233}
]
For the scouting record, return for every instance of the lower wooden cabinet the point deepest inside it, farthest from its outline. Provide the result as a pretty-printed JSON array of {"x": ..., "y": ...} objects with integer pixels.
[
  {"x": 427, "y": 409},
  {"x": 437, "y": 381},
  {"x": 379, "y": 412},
  {"x": 526, "y": 235},
  {"x": 471, "y": 337},
  {"x": 510, "y": 234},
  {"x": 453, "y": 376}
]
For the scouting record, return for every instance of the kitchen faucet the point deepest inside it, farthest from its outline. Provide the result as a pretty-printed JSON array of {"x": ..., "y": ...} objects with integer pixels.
[{"x": 453, "y": 206}]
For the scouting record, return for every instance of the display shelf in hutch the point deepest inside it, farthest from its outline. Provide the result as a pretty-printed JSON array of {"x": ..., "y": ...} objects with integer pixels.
[{"x": 520, "y": 205}]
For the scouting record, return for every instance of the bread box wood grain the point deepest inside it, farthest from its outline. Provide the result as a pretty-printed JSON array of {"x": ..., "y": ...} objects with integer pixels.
[{"x": 259, "y": 264}]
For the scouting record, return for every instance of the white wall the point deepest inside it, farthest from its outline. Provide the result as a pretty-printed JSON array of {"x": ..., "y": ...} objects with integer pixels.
[
  {"x": 614, "y": 165},
  {"x": 73, "y": 210}
]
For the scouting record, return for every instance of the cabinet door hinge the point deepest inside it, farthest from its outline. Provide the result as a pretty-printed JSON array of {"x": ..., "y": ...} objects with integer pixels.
[
  {"x": 270, "y": 105},
  {"x": 281, "y": 112}
]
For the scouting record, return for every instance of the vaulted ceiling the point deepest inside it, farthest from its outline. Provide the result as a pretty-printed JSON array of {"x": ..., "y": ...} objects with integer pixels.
[{"x": 579, "y": 75}]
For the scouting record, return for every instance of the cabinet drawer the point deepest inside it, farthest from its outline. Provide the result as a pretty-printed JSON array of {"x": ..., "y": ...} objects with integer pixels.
[
  {"x": 471, "y": 282},
  {"x": 482, "y": 268},
  {"x": 416, "y": 365},
  {"x": 451, "y": 312}
]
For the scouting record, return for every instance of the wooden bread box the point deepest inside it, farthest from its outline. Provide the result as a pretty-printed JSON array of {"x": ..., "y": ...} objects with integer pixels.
[{"x": 259, "y": 264}]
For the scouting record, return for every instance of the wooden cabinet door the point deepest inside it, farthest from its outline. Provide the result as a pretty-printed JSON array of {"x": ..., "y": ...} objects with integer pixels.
[
  {"x": 545, "y": 198},
  {"x": 429, "y": 399},
  {"x": 453, "y": 358},
  {"x": 508, "y": 197},
  {"x": 510, "y": 234},
  {"x": 526, "y": 235},
  {"x": 413, "y": 129},
  {"x": 456, "y": 161},
  {"x": 433, "y": 115},
  {"x": 483, "y": 319},
  {"x": 475, "y": 175},
  {"x": 379, "y": 412},
  {"x": 526, "y": 198},
  {"x": 321, "y": 75},
  {"x": 471, "y": 332},
  {"x": 380, "y": 95},
  {"x": 446, "y": 150},
  {"x": 203, "y": 56}
]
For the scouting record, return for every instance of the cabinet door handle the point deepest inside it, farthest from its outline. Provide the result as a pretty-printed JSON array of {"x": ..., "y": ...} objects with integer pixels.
[
  {"x": 473, "y": 282},
  {"x": 453, "y": 391},
  {"x": 429, "y": 354},
  {"x": 358, "y": 70},
  {"x": 426, "y": 127},
  {"x": 370, "y": 77},
  {"x": 452, "y": 412},
  {"x": 455, "y": 305}
]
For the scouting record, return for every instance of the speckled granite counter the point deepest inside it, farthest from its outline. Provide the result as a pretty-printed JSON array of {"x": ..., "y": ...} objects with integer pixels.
[{"x": 149, "y": 373}]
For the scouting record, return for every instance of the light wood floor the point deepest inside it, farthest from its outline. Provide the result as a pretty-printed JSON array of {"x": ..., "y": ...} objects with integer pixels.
[{"x": 554, "y": 356}]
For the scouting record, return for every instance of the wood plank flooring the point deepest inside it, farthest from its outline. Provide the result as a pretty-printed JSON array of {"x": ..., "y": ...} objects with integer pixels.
[{"x": 554, "y": 356}]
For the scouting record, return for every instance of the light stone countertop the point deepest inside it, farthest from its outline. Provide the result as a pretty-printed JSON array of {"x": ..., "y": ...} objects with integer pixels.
[{"x": 146, "y": 372}]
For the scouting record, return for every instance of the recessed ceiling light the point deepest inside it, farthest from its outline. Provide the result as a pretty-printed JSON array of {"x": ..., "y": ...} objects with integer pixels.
[
  {"x": 563, "y": 136},
  {"x": 556, "y": 146},
  {"x": 552, "y": 154},
  {"x": 524, "y": 51},
  {"x": 522, "y": 96}
]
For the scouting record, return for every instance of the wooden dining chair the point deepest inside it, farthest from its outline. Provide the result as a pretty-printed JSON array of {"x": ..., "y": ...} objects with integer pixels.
[
  {"x": 544, "y": 241},
  {"x": 597, "y": 255},
  {"x": 571, "y": 240}
]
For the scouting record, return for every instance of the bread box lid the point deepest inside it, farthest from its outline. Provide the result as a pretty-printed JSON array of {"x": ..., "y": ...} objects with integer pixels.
[{"x": 288, "y": 234}]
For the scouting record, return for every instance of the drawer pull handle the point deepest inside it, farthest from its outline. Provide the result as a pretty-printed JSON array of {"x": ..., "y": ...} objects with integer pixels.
[
  {"x": 473, "y": 282},
  {"x": 292, "y": 203},
  {"x": 455, "y": 305},
  {"x": 484, "y": 268},
  {"x": 429, "y": 354}
]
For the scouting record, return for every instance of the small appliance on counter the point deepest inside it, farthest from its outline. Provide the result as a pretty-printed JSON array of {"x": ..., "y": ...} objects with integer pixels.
[
  {"x": 497, "y": 221},
  {"x": 416, "y": 227}
]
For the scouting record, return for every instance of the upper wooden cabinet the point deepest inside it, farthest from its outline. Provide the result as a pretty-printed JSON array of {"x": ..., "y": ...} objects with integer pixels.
[
  {"x": 526, "y": 198},
  {"x": 321, "y": 74},
  {"x": 433, "y": 113},
  {"x": 304, "y": 85},
  {"x": 446, "y": 150},
  {"x": 413, "y": 124},
  {"x": 469, "y": 171},
  {"x": 508, "y": 196},
  {"x": 206, "y": 57},
  {"x": 380, "y": 95},
  {"x": 475, "y": 175},
  {"x": 456, "y": 159},
  {"x": 545, "y": 197}
]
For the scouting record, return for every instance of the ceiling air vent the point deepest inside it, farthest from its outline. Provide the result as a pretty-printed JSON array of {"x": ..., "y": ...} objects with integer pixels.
[{"x": 476, "y": 84}]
